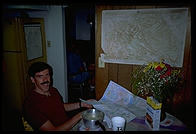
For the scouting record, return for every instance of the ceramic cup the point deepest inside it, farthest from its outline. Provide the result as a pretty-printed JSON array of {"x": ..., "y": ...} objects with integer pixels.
[{"x": 118, "y": 123}]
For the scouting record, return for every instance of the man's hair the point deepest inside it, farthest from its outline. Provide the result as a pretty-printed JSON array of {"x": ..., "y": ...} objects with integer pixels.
[{"x": 38, "y": 67}]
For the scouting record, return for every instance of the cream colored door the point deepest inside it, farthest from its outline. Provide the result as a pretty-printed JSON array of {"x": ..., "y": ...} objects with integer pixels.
[
  {"x": 16, "y": 60},
  {"x": 14, "y": 85},
  {"x": 32, "y": 30}
]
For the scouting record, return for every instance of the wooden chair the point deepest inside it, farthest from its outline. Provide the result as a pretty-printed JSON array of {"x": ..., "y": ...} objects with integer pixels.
[{"x": 26, "y": 125}]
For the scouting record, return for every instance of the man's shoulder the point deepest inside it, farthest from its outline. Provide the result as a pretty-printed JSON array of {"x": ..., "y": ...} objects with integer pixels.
[
  {"x": 54, "y": 90},
  {"x": 31, "y": 97}
]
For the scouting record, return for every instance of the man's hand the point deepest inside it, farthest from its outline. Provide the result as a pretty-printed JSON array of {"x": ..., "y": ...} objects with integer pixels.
[{"x": 83, "y": 104}]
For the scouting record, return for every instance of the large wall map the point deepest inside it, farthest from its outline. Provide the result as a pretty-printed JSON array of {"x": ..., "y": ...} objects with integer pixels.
[{"x": 144, "y": 35}]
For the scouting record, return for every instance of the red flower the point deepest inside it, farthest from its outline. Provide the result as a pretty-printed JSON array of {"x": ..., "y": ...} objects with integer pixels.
[
  {"x": 162, "y": 76},
  {"x": 168, "y": 66},
  {"x": 158, "y": 68},
  {"x": 166, "y": 74}
]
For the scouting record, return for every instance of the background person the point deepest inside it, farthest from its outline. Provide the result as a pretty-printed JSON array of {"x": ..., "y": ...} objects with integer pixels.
[{"x": 77, "y": 68}]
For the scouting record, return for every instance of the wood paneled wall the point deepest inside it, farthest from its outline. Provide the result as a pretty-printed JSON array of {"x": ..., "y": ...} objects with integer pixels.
[{"x": 120, "y": 73}]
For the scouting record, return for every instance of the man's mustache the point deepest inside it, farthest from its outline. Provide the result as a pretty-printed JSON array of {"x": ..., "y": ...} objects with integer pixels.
[{"x": 45, "y": 82}]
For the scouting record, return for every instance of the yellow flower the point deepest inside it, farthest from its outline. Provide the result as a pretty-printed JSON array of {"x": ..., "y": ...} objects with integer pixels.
[
  {"x": 162, "y": 65},
  {"x": 155, "y": 64},
  {"x": 175, "y": 72},
  {"x": 147, "y": 67}
]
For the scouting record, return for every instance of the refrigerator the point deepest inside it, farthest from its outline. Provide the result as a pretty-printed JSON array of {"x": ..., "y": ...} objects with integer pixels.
[{"x": 18, "y": 54}]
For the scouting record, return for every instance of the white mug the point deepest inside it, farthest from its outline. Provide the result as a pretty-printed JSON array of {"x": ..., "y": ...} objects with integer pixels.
[{"x": 118, "y": 123}]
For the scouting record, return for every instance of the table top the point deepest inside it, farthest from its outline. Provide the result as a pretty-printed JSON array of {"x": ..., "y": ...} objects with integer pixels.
[
  {"x": 138, "y": 124},
  {"x": 171, "y": 123}
]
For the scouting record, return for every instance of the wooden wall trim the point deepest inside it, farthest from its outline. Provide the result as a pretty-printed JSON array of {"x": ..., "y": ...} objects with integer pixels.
[{"x": 100, "y": 73}]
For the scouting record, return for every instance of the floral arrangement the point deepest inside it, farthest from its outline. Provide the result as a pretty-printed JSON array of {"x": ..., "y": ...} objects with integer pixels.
[{"x": 157, "y": 79}]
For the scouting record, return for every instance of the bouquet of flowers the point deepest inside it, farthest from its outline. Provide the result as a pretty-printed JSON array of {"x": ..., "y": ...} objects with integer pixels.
[{"x": 157, "y": 79}]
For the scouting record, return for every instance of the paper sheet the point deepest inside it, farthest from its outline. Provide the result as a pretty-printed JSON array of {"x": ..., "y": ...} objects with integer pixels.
[{"x": 116, "y": 102}]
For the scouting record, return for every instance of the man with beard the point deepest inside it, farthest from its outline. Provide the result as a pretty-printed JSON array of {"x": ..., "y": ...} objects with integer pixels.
[{"x": 44, "y": 108}]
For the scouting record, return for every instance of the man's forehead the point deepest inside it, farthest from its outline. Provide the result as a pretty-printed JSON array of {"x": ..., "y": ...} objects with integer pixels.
[{"x": 42, "y": 72}]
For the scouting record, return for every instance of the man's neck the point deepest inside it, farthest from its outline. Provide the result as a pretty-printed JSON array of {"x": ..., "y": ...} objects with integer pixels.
[{"x": 46, "y": 93}]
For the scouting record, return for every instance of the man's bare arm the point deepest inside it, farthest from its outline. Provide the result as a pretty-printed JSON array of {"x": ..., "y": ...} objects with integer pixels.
[{"x": 48, "y": 126}]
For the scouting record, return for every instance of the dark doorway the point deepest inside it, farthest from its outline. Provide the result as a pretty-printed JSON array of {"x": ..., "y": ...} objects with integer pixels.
[{"x": 80, "y": 38}]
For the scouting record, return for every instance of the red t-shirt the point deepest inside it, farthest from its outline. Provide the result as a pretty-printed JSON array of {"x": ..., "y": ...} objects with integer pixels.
[{"x": 39, "y": 108}]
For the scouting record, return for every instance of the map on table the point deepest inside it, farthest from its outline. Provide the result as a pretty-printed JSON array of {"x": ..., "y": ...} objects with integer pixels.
[{"x": 116, "y": 101}]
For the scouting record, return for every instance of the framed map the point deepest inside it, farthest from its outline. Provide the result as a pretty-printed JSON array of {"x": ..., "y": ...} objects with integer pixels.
[{"x": 140, "y": 36}]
